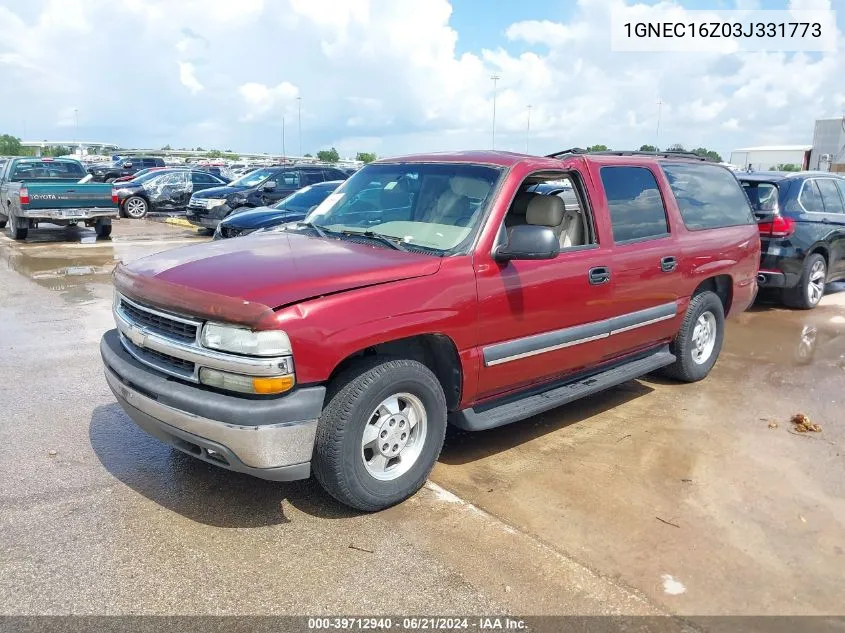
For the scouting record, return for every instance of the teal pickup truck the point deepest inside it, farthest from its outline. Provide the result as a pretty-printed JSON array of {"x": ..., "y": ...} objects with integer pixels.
[{"x": 34, "y": 190}]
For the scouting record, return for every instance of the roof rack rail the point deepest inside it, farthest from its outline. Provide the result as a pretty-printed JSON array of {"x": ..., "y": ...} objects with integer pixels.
[{"x": 666, "y": 154}]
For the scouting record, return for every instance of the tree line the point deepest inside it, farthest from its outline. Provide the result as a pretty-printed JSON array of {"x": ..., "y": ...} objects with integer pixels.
[
  {"x": 11, "y": 146},
  {"x": 675, "y": 147}
]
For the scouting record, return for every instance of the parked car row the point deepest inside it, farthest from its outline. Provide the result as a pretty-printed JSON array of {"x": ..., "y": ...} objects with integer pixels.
[{"x": 260, "y": 188}]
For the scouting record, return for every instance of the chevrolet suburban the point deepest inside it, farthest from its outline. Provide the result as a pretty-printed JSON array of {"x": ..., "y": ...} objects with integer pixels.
[{"x": 461, "y": 293}]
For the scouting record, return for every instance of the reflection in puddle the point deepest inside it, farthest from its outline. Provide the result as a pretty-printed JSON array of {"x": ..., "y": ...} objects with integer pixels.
[
  {"x": 76, "y": 270},
  {"x": 789, "y": 338}
]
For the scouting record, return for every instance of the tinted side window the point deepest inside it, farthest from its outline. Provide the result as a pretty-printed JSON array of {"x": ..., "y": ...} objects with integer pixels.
[
  {"x": 830, "y": 196},
  {"x": 635, "y": 204},
  {"x": 334, "y": 174},
  {"x": 708, "y": 196},
  {"x": 287, "y": 179},
  {"x": 841, "y": 185},
  {"x": 810, "y": 198},
  {"x": 203, "y": 179},
  {"x": 312, "y": 177}
]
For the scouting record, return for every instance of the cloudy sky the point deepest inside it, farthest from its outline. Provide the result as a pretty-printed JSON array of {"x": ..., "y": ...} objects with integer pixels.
[{"x": 392, "y": 76}]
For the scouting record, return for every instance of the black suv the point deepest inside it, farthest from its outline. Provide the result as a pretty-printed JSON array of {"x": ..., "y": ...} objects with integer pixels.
[
  {"x": 126, "y": 167},
  {"x": 801, "y": 217},
  {"x": 261, "y": 188}
]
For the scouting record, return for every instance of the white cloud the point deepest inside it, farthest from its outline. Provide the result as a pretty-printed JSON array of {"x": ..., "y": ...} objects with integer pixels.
[
  {"x": 188, "y": 77},
  {"x": 261, "y": 99},
  {"x": 544, "y": 32},
  {"x": 388, "y": 73}
]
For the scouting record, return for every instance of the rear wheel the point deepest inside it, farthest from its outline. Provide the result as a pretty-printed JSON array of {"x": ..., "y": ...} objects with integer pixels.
[
  {"x": 810, "y": 289},
  {"x": 103, "y": 228},
  {"x": 380, "y": 433},
  {"x": 135, "y": 207},
  {"x": 18, "y": 229},
  {"x": 699, "y": 341}
]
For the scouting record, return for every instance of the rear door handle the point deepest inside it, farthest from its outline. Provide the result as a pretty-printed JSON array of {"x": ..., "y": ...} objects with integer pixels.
[
  {"x": 668, "y": 264},
  {"x": 599, "y": 275}
]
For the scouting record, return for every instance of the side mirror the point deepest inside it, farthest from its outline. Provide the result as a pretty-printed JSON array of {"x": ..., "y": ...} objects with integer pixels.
[
  {"x": 127, "y": 165},
  {"x": 529, "y": 241},
  {"x": 269, "y": 186}
]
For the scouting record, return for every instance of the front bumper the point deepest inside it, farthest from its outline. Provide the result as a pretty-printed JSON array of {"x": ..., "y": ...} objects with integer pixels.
[
  {"x": 268, "y": 438},
  {"x": 62, "y": 214},
  {"x": 207, "y": 218}
]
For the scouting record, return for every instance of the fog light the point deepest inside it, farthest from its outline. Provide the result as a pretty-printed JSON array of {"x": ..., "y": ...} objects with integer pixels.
[{"x": 246, "y": 384}]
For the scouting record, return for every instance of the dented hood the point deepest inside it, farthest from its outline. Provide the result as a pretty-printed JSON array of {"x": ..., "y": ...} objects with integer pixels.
[{"x": 243, "y": 279}]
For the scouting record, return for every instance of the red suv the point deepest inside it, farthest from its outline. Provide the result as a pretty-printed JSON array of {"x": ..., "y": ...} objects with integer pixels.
[{"x": 432, "y": 289}]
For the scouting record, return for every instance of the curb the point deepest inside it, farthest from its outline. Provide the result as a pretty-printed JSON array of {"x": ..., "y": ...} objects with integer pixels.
[{"x": 179, "y": 222}]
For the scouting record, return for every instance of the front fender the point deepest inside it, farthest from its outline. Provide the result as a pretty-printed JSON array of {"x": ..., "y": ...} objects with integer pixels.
[{"x": 327, "y": 330}]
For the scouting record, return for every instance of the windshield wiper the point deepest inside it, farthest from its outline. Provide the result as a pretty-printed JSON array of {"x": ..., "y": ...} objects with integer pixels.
[
  {"x": 393, "y": 242},
  {"x": 316, "y": 228}
]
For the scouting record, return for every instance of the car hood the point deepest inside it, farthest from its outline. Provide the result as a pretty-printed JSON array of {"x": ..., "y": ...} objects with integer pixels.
[
  {"x": 241, "y": 280},
  {"x": 219, "y": 192},
  {"x": 260, "y": 217}
]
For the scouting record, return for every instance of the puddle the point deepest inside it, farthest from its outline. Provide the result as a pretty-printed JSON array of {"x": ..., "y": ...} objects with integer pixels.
[{"x": 79, "y": 271}]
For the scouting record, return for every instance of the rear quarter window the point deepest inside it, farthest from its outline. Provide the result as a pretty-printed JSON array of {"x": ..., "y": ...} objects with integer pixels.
[{"x": 708, "y": 196}]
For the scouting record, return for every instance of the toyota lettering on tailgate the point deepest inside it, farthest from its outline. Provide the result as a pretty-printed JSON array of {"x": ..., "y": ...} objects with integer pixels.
[{"x": 47, "y": 196}]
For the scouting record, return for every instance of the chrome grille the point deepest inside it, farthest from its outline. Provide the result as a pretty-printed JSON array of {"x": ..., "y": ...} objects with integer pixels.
[
  {"x": 162, "y": 361},
  {"x": 158, "y": 321}
]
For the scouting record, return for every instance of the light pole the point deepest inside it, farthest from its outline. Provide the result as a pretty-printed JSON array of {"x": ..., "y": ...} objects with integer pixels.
[
  {"x": 495, "y": 79},
  {"x": 657, "y": 133},
  {"x": 528, "y": 128},
  {"x": 284, "y": 152},
  {"x": 76, "y": 122},
  {"x": 299, "y": 113}
]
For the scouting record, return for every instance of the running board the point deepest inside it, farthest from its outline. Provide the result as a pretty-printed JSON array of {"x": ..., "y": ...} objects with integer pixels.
[{"x": 518, "y": 409}]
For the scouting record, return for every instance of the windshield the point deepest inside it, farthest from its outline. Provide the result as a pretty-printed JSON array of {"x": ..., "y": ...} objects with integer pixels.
[
  {"x": 763, "y": 196},
  {"x": 254, "y": 179},
  {"x": 435, "y": 206},
  {"x": 305, "y": 198},
  {"x": 47, "y": 170}
]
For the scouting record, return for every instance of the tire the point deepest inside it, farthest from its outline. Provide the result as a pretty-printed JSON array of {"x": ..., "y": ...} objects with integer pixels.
[
  {"x": 807, "y": 294},
  {"x": 344, "y": 465},
  {"x": 693, "y": 363},
  {"x": 103, "y": 228},
  {"x": 110, "y": 180},
  {"x": 135, "y": 207},
  {"x": 17, "y": 232}
]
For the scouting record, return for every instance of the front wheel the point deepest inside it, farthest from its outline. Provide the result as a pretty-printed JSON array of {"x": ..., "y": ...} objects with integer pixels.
[
  {"x": 810, "y": 289},
  {"x": 699, "y": 341},
  {"x": 135, "y": 207},
  {"x": 380, "y": 433}
]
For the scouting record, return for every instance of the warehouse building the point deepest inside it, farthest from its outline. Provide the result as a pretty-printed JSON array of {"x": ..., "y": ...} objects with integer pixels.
[
  {"x": 769, "y": 157},
  {"x": 829, "y": 145}
]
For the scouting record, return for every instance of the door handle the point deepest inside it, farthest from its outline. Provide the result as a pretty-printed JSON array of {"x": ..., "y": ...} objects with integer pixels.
[
  {"x": 668, "y": 264},
  {"x": 599, "y": 275}
]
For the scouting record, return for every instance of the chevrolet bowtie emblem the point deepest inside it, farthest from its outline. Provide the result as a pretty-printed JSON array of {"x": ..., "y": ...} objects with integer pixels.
[{"x": 139, "y": 337}]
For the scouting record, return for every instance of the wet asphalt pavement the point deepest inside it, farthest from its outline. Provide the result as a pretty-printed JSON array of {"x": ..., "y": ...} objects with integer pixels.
[{"x": 651, "y": 498}]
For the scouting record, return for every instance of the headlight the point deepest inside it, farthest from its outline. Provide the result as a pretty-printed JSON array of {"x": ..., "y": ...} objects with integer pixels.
[
  {"x": 244, "y": 341},
  {"x": 214, "y": 202}
]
